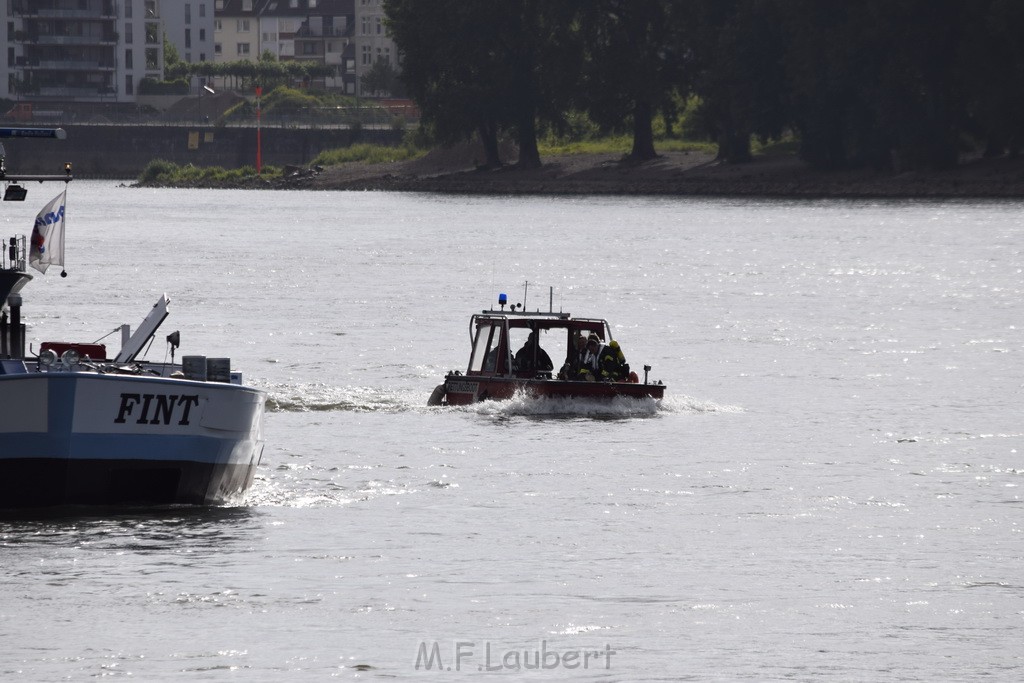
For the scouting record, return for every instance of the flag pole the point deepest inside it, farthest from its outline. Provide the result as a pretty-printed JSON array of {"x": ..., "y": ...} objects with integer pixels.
[
  {"x": 63, "y": 268},
  {"x": 259, "y": 150}
]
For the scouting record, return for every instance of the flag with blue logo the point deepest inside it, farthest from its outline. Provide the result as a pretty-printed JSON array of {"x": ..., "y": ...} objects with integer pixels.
[{"x": 47, "y": 246}]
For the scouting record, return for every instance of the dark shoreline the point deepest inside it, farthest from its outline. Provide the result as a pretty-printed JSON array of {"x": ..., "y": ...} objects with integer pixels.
[{"x": 671, "y": 174}]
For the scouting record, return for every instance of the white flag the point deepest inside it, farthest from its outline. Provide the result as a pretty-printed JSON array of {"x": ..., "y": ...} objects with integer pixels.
[{"x": 47, "y": 246}]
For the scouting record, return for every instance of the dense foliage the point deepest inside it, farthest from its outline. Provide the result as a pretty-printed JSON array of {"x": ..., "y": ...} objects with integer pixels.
[
  {"x": 268, "y": 72},
  {"x": 162, "y": 173},
  {"x": 902, "y": 83}
]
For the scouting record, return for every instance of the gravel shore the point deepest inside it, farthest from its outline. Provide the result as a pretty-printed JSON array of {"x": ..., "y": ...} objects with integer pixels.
[
  {"x": 672, "y": 173},
  {"x": 456, "y": 171}
]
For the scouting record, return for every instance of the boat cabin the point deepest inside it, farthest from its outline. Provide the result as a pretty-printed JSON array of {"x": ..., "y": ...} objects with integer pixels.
[{"x": 527, "y": 345}]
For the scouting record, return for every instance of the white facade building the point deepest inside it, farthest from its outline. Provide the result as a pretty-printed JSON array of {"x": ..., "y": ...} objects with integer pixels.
[{"x": 81, "y": 50}]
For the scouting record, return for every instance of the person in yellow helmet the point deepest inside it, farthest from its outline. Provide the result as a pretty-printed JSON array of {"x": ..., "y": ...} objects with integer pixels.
[{"x": 613, "y": 363}]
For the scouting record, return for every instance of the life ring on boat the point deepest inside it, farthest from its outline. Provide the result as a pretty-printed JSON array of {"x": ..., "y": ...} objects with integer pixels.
[
  {"x": 633, "y": 379},
  {"x": 437, "y": 396}
]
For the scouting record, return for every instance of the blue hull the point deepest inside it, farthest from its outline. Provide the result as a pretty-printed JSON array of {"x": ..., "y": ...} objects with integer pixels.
[{"x": 71, "y": 438}]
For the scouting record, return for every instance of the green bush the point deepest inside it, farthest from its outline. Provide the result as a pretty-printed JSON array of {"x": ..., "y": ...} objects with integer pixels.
[
  {"x": 167, "y": 174},
  {"x": 156, "y": 170},
  {"x": 151, "y": 86},
  {"x": 371, "y": 154}
]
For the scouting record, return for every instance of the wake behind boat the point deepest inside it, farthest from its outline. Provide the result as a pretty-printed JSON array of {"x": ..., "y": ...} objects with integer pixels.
[
  {"x": 78, "y": 427},
  {"x": 508, "y": 356}
]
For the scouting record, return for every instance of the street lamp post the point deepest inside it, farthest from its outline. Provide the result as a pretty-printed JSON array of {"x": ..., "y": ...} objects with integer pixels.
[{"x": 209, "y": 90}]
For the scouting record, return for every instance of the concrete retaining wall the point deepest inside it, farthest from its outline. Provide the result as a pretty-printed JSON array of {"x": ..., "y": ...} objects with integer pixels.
[{"x": 118, "y": 151}]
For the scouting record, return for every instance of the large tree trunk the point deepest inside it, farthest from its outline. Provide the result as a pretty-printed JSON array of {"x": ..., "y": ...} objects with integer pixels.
[
  {"x": 529, "y": 155},
  {"x": 643, "y": 132},
  {"x": 488, "y": 131},
  {"x": 734, "y": 147}
]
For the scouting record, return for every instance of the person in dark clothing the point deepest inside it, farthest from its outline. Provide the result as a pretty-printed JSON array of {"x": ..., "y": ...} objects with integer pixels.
[
  {"x": 532, "y": 359},
  {"x": 574, "y": 361},
  {"x": 590, "y": 370}
]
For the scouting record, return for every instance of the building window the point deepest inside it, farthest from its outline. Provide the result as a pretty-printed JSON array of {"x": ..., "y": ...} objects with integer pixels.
[
  {"x": 242, "y": 26},
  {"x": 127, "y": 10},
  {"x": 366, "y": 54},
  {"x": 366, "y": 26},
  {"x": 128, "y": 32},
  {"x": 129, "y": 62},
  {"x": 243, "y": 48},
  {"x": 188, "y": 39},
  {"x": 188, "y": 12},
  {"x": 202, "y": 35},
  {"x": 378, "y": 22},
  {"x": 152, "y": 59},
  {"x": 217, "y": 49},
  {"x": 202, "y": 10},
  {"x": 129, "y": 86},
  {"x": 202, "y": 56},
  {"x": 217, "y": 26}
]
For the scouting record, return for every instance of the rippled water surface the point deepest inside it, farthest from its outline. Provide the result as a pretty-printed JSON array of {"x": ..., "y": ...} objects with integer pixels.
[{"x": 829, "y": 491}]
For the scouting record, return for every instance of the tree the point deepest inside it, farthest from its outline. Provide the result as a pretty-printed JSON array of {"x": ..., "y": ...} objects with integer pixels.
[
  {"x": 174, "y": 68},
  {"x": 634, "y": 63},
  {"x": 446, "y": 66},
  {"x": 829, "y": 72},
  {"x": 738, "y": 51},
  {"x": 486, "y": 67},
  {"x": 382, "y": 79},
  {"x": 991, "y": 67}
]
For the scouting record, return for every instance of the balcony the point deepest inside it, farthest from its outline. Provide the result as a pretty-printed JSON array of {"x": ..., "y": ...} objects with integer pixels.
[
  {"x": 65, "y": 40},
  {"x": 65, "y": 65},
  {"x": 39, "y": 10},
  {"x": 329, "y": 32}
]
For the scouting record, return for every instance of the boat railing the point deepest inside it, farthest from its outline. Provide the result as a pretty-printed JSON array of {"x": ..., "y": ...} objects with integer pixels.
[{"x": 14, "y": 255}]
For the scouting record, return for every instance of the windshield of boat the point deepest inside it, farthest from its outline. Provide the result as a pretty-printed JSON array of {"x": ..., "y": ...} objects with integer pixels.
[{"x": 486, "y": 351}]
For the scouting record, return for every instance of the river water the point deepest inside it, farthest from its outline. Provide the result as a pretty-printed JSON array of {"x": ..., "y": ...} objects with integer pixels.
[{"x": 831, "y": 489}]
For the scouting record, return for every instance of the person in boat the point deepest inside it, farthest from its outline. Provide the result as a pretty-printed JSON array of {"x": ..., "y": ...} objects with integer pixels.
[
  {"x": 574, "y": 360},
  {"x": 590, "y": 370},
  {"x": 618, "y": 367},
  {"x": 532, "y": 359},
  {"x": 604, "y": 362}
]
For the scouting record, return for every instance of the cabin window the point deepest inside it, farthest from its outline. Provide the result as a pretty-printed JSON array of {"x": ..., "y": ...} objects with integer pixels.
[{"x": 486, "y": 349}]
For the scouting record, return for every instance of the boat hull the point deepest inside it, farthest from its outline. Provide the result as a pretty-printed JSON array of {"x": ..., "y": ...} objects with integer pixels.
[
  {"x": 70, "y": 438},
  {"x": 466, "y": 389}
]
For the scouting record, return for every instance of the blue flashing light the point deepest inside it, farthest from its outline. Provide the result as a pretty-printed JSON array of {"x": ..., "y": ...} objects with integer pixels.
[{"x": 502, "y": 299}]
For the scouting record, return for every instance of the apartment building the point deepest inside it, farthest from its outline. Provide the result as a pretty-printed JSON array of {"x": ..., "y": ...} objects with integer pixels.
[
  {"x": 236, "y": 30},
  {"x": 82, "y": 50},
  {"x": 188, "y": 25},
  {"x": 371, "y": 40},
  {"x": 348, "y": 35}
]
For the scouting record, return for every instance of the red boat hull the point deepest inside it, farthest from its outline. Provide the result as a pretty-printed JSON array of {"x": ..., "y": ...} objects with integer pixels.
[{"x": 463, "y": 389}]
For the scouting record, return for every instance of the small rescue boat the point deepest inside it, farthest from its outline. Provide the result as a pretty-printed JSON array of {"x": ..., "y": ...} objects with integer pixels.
[{"x": 509, "y": 355}]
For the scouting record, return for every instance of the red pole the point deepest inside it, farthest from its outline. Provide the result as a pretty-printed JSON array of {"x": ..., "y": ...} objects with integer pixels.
[{"x": 259, "y": 141}]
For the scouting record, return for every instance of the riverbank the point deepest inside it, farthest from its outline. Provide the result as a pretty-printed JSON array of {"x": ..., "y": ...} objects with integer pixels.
[
  {"x": 456, "y": 171},
  {"x": 672, "y": 173}
]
